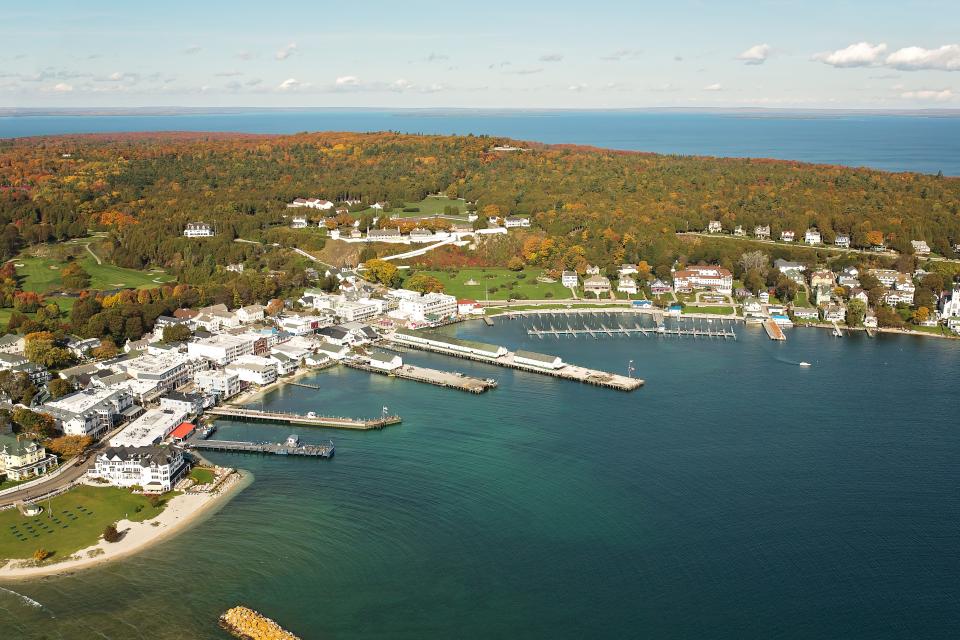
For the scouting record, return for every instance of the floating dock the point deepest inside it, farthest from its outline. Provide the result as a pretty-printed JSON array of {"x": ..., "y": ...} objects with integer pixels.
[
  {"x": 773, "y": 330},
  {"x": 447, "y": 379},
  {"x": 306, "y": 420},
  {"x": 279, "y": 449},
  {"x": 566, "y": 372},
  {"x": 624, "y": 331}
]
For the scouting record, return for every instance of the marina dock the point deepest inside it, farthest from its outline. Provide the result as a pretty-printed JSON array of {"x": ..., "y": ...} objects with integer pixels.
[
  {"x": 436, "y": 377},
  {"x": 307, "y": 420},
  {"x": 280, "y": 448},
  {"x": 566, "y": 372},
  {"x": 627, "y": 331},
  {"x": 773, "y": 330}
]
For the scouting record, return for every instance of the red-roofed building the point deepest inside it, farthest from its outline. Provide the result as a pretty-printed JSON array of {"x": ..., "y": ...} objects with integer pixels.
[
  {"x": 182, "y": 432},
  {"x": 466, "y": 306}
]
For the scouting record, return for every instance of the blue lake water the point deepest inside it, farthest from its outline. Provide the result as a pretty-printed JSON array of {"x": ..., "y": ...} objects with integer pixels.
[
  {"x": 737, "y": 495},
  {"x": 888, "y": 142}
]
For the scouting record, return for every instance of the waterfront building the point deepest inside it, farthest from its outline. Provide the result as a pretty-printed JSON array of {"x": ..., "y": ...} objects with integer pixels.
[
  {"x": 712, "y": 278},
  {"x": 569, "y": 279},
  {"x": 284, "y": 363},
  {"x": 22, "y": 459},
  {"x": 362, "y": 309},
  {"x": 660, "y": 287},
  {"x": 167, "y": 371},
  {"x": 90, "y": 413},
  {"x": 437, "y": 305},
  {"x": 764, "y": 297},
  {"x": 806, "y": 313},
  {"x": 301, "y": 325},
  {"x": 642, "y": 304},
  {"x": 223, "y": 384},
  {"x": 870, "y": 319},
  {"x": 450, "y": 343},
  {"x": 198, "y": 230},
  {"x": 385, "y": 361},
  {"x": 950, "y": 304},
  {"x": 859, "y": 294},
  {"x": 332, "y": 351},
  {"x": 467, "y": 307},
  {"x": 627, "y": 270},
  {"x": 540, "y": 360},
  {"x": 834, "y": 313},
  {"x": 597, "y": 285},
  {"x": 254, "y": 369},
  {"x": 221, "y": 349},
  {"x": 154, "y": 469},
  {"x": 762, "y": 232},
  {"x": 188, "y": 403},
  {"x": 150, "y": 428}
]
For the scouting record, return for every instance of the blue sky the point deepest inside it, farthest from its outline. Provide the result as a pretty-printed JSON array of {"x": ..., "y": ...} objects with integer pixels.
[{"x": 529, "y": 54}]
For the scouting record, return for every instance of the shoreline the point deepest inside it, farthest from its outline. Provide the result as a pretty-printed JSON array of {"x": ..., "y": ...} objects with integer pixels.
[
  {"x": 182, "y": 513},
  {"x": 252, "y": 394},
  {"x": 810, "y": 325}
]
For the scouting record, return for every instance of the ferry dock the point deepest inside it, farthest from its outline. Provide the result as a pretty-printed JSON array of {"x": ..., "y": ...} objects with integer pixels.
[
  {"x": 306, "y": 420},
  {"x": 292, "y": 447},
  {"x": 773, "y": 330},
  {"x": 500, "y": 357},
  {"x": 436, "y": 377}
]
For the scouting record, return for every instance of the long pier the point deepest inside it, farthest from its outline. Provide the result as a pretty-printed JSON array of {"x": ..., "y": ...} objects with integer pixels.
[
  {"x": 279, "y": 449},
  {"x": 307, "y": 420},
  {"x": 773, "y": 330},
  {"x": 646, "y": 331},
  {"x": 567, "y": 372},
  {"x": 429, "y": 376}
]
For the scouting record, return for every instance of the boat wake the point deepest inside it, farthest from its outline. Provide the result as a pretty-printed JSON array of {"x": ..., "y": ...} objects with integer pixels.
[{"x": 30, "y": 601}]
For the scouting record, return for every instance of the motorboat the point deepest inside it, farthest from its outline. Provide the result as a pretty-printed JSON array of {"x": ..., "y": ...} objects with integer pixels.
[{"x": 805, "y": 364}]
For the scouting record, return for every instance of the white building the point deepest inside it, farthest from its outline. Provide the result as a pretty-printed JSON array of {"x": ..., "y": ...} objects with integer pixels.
[
  {"x": 12, "y": 343},
  {"x": 714, "y": 226},
  {"x": 762, "y": 232},
  {"x": 435, "y": 305},
  {"x": 787, "y": 236},
  {"x": 299, "y": 222},
  {"x": 217, "y": 381},
  {"x": 627, "y": 285},
  {"x": 357, "y": 310},
  {"x": 333, "y": 351},
  {"x": 512, "y": 222},
  {"x": 221, "y": 349},
  {"x": 155, "y": 469},
  {"x": 250, "y": 313},
  {"x": 198, "y": 230},
  {"x": 254, "y": 369},
  {"x": 539, "y": 360},
  {"x": 569, "y": 279},
  {"x": 167, "y": 371},
  {"x": 920, "y": 247},
  {"x": 189, "y": 403},
  {"x": 149, "y": 429},
  {"x": 449, "y": 343},
  {"x": 717, "y": 279},
  {"x": 385, "y": 361},
  {"x": 301, "y": 325},
  {"x": 842, "y": 240},
  {"x": 812, "y": 236},
  {"x": 90, "y": 413}
]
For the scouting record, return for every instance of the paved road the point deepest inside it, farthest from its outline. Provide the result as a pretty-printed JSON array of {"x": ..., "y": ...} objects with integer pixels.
[{"x": 420, "y": 251}]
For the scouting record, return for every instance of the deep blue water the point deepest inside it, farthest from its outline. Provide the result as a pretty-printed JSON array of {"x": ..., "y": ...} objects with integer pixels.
[
  {"x": 888, "y": 142},
  {"x": 737, "y": 495}
]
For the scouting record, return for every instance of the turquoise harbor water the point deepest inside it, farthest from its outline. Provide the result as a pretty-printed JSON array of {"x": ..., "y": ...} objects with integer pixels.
[
  {"x": 883, "y": 141},
  {"x": 737, "y": 495}
]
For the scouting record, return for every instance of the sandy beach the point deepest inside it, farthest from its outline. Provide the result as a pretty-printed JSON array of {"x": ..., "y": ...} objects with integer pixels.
[
  {"x": 250, "y": 395},
  {"x": 181, "y": 513}
]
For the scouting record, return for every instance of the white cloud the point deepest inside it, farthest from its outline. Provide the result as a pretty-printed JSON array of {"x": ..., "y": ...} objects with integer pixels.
[
  {"x": 928, "y": 94},
  {"x": 246, "y": 55},
  {"x": 437, "y": 57},
  {"x": 945, "y": 58},
  {"x": 290, "y": 84},
  {"x": 62, "y": 87},
  {"x": 228, "y": 74},
  {"x": 525, "y": 72},
  {"x": 401, "y": 85},
  {"x": 347, "y": 81},
  {"x": 551, "y": 57},
  {"x": 252, "y": 82},
  {"x": 861, "y": 54},
  {"x": 716, "y": 86},
  {"x": 577, "y": 87},
  {"x": 757, "y": 54},
  {"x": 286, "y": 52},
  {"x": 622, "y": 54},
  {"x": 193, "y": 49}
]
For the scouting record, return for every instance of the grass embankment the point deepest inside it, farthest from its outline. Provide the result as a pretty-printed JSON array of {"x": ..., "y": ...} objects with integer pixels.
[
  {"x": 43, "y": 274},
  {"x": 72, "y": 521},
  {"x": 500, "y": 284},
  {"x": 201, "y": 475},
  {"x": 724, "y": 311}
]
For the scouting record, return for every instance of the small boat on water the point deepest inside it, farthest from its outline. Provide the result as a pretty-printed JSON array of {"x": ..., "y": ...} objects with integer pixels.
[{"x": 804, "y": 364}]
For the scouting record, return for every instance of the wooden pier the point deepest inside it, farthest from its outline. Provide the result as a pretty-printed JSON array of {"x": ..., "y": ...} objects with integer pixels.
[
  {"x": 307, "y": 420},
  {"x": 773, "y": 330},
  {"x": 567, "y": 372},
  {"x": 723, "y": 333},
  {"x": 279, "y": 448},
  {"x": 304, "y": 385},
  {"x": 429, "y": 376}
]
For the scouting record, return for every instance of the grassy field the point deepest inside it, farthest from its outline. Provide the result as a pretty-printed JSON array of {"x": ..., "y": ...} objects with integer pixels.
[
  {"x": 201, "y": 475},
  {"x": 43, "y": 274},
  {"x": 724, "y": 311},
  {"x": 73, "y": 521},
  {"x": 429, "y": 206},
  {"x": 501, "y": 284}
]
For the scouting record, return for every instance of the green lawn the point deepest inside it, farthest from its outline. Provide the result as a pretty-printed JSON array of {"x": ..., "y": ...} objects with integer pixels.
[
  {"x": 429, "y": 206},
  {"x": 43, "y": 274},
  {"x": 501, "y": 284},
  {"x": 79, "y": 517},
  {"x": 201, "y": 475},
  {"x": 708, "y": 309}
]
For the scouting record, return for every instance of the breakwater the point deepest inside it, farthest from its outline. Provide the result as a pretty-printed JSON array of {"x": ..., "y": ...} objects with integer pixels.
[{"x": 247, "y": 624}]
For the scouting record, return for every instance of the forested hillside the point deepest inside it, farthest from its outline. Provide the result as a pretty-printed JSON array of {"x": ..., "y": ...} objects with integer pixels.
[{"x": 586, "y": 204}]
